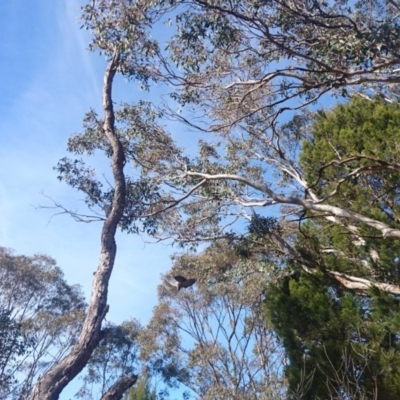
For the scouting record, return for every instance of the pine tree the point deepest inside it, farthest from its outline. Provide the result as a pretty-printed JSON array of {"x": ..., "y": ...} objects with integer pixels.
[{"x": 341, "y": 343}]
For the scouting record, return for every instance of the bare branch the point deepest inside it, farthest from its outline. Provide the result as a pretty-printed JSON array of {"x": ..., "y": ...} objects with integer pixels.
[{"x": 177, "y": 201}]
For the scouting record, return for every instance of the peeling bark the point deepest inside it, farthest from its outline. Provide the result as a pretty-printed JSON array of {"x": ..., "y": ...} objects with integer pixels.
[
  {"x": 51, "y": 384},
  {"x": 117, "y": 390}
]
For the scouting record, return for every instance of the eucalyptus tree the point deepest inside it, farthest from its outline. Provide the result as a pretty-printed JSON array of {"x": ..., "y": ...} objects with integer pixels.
[
  {"x": 43, "y": 316},
  {"x": 212, "y": 337},
  {"x": 250, "y": 58},
  {"x": 247, "y": 67},
  {"x": 13, "y": 344},
  {"x": 138, "y": 149}
]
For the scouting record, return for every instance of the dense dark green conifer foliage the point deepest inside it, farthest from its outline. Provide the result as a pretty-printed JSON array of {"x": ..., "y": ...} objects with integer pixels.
[{"x": 342, "y": 342}]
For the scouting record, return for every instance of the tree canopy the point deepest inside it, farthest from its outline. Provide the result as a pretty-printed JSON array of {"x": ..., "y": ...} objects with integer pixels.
[
  {"x": 41, "y": 317},
  {"x": 302, "y": 201},
  {"x": 213, "y": 338}
]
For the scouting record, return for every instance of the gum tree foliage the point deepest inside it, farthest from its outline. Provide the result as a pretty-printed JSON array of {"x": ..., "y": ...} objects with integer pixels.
[
  {"x": 249, "y": 58},
  {"x": 225, "y": 52},
  {"x": 42, "y": 316},
  {"x": 259, "y": 164},
  {"x": 243, "y": 65},
  {"x": 13, "y": 344},
  {"x": 212, "y": 337},
  {"x": 235, "y": 67}
]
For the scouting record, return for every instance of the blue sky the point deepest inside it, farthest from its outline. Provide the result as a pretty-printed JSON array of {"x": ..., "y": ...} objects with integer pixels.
[{"x": 48, "y": 81}]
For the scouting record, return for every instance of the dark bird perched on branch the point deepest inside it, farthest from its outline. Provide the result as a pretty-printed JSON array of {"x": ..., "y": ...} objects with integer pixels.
[{"x": 180, "y": 281}]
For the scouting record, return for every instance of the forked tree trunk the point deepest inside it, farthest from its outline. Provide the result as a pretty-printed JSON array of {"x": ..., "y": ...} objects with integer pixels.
[{"x": 51, "y": 384}]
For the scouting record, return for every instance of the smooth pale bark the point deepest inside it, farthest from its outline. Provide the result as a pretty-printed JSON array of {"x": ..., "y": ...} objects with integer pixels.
[
  {"x": 274, "y": 198},
  {"x": 51, "y": 384},
  {"x": 361, "y": 284}
]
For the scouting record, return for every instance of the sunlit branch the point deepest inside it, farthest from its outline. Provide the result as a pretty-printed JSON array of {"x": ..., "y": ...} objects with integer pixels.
[{"x": 385, "y": 229}]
